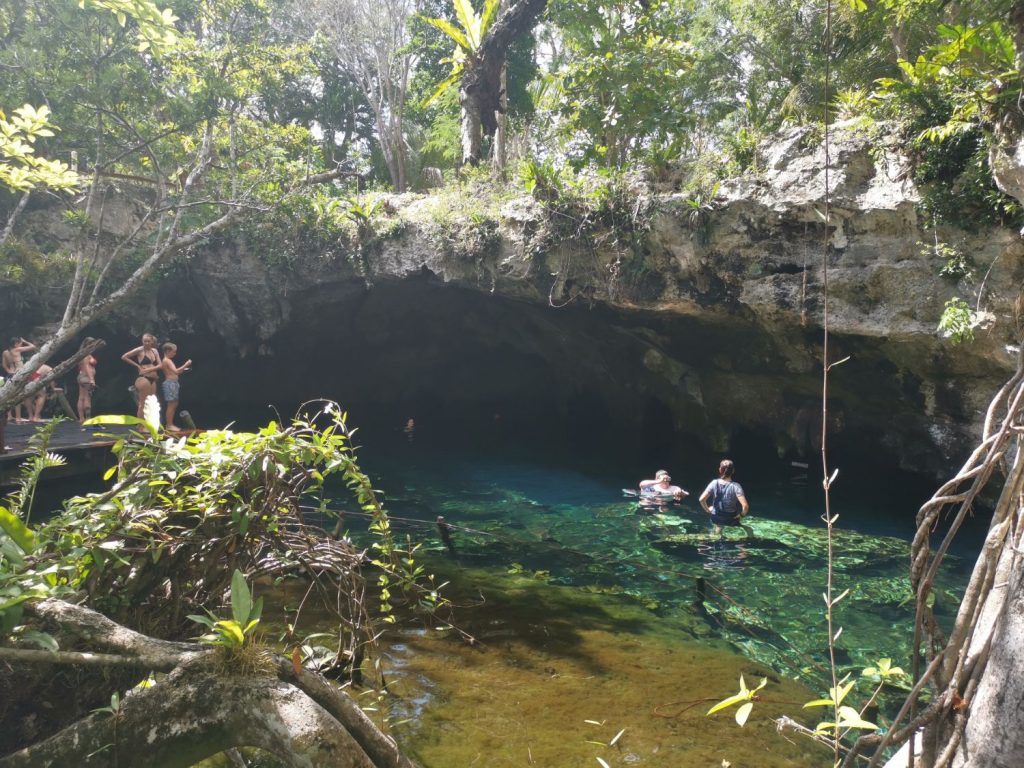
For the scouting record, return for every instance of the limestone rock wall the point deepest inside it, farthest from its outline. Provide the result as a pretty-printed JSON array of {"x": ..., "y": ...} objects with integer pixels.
[{"x": 708, "y": 321}]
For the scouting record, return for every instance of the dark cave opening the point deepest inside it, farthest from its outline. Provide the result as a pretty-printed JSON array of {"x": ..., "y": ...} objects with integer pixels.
[{"x": 603, "y": 387}]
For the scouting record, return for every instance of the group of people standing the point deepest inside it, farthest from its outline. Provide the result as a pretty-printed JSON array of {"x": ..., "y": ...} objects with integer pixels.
[
  {"x": 723, "y": 498},
  {"x": 146, "y": 358}
]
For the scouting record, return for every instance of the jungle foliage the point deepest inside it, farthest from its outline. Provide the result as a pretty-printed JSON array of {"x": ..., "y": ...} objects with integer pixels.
[
  {"x": 608, "y": 83},
  {"x": 187, "y": 521}
]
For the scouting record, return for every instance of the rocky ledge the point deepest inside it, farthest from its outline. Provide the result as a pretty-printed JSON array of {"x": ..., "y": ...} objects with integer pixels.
[{"x": 693, "y": 320}]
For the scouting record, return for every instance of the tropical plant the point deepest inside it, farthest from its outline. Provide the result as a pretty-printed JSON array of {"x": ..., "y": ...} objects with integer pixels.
[
  {"x": 957, "y": 321},
  {"x": 482, "y": 45},
  {"x": 19, "y": 545},
  {"x": 467, "y": 37},
  {"x": 542, "y": 180},
  {"x": 234, "y": 633},
  {"x": 187, "y": 520},
  {"x": 745, "y": 698}
]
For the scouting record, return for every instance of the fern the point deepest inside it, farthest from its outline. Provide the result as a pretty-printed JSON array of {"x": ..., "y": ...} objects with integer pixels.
[{"x": 20, "y": 501}]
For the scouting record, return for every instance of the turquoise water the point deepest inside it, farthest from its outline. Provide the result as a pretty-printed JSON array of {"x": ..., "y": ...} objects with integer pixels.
[
  {"x": 563, "y": 520},
  {"x": 574, "y": 527},
  {"x": 585, "y": 608}
]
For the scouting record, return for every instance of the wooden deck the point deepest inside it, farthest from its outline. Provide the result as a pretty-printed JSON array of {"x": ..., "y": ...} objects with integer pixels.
[{"x": 87, "y": 449}]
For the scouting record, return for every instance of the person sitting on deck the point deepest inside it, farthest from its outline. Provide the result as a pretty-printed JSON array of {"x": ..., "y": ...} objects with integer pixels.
[
  {"x": 725, "y": 501},
  {"x": 661, "y": 485}
]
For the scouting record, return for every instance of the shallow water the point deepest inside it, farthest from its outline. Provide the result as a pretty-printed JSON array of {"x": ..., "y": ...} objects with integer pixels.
[{"x": 584, "y": 608}]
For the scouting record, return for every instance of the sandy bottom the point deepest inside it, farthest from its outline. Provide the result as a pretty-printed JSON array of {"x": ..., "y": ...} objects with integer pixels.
[{"x": 557, "y": 672}]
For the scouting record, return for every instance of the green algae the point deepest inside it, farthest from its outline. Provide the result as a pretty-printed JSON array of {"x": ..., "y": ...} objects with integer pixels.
[
  {"x": 555, "y": 673},
  {"x": 576, "y": 585}
]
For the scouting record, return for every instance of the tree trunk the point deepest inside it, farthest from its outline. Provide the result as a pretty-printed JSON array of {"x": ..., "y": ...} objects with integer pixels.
[
  {"x": 194, "y": 714},
  {"x": 993, "y": 737},
  {"x": 501, "y": 135},
  {"x": 200, "y": 709},
  {"x": 471, "y": 128},
  {"x": 481, "y": 89}
]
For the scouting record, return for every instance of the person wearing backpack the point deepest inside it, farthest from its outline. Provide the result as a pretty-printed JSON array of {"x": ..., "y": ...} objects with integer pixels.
[{"x": 725, "y": 501}]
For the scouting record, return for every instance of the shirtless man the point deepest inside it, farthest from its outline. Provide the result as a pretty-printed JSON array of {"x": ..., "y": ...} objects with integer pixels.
[
  {"x": 170, "y": 387},
  {"x": 12, "y": 361}
]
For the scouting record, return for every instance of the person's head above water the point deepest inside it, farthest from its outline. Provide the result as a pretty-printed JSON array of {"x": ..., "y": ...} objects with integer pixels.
[{"x": 726, "y": 469}]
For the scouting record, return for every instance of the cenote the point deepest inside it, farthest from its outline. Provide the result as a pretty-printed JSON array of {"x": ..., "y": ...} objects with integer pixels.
[
  {"x": 580, "y": 613},
  {"x": 582, "y": 606},
  {"x": 585, "y": 609},
  {"x": 435, "y": 285}
]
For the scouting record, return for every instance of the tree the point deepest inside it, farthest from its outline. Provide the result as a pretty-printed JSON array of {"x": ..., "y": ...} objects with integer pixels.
[
  {"x": 173, "y": 137},
  {"x": 478, "y": 62},
  {"x": 371, "y": 38},
  {"x": 626, "y": 81}
]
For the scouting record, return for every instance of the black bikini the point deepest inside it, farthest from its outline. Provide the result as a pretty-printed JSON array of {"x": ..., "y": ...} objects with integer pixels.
[{"x": 145, "y": 360}]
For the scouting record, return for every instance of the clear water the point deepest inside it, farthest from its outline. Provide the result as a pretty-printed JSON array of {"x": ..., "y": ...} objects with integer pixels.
[{"x": 545, "y": 542}]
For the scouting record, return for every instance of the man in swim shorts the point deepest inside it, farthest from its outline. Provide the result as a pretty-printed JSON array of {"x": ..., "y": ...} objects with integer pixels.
[{"x": 725, "y": 501}]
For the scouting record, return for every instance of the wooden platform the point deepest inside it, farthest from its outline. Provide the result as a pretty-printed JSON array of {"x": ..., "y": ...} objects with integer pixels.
[{"x": 87, "y": 449}]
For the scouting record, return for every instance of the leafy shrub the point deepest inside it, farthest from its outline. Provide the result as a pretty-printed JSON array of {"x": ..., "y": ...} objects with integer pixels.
[{"x": 957, "y": 321}]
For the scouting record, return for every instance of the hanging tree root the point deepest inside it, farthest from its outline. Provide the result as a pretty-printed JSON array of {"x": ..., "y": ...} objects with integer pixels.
[
  {"x": 957, "y": 664},
  {"x": 201, "y": 708}
]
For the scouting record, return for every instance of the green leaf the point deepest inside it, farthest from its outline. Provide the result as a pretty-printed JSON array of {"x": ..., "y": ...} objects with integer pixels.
[
  {"x": 232, "y": 630},
  {"x": 20, "y": 533},
  {"x": 206, "y": 621},
  {"x": 843, "y": 691},
  {"x": 241, "y": 599},
  {"x": 447, "y": 83},
  {"x": 451, "y": 30},
  {"x": 487, "y": 17},
  {"x": 850, "y": 718},
  {"x": 734, "y": 699},
  {"x": 257, "y": 609},
  {"x": 122, "y": 420},
  {"x": 42, "y": 640},
  {"x": 818, "y": 703},
  {"x": 466, "y": 15}
]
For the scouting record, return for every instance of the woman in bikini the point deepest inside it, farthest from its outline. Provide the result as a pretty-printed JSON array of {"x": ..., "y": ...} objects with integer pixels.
[
  {"x": 147, "y": 360},
  {"x": 86, "y": 382}
]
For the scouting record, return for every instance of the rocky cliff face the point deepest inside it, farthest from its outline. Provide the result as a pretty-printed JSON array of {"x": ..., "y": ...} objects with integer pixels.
[{"x": 695, "y": 324}]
